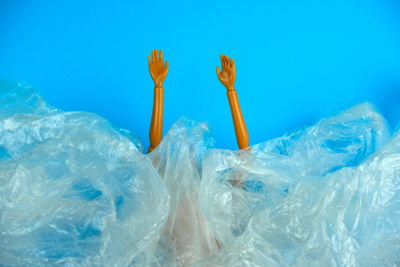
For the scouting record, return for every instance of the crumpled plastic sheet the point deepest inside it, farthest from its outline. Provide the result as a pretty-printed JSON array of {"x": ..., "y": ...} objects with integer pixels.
[
  {"x": 75, "y": 191},
  {"x": 236, "y": 184},
  {"x": 186, "y": 237},
  {"x": 326, "y": 195}
]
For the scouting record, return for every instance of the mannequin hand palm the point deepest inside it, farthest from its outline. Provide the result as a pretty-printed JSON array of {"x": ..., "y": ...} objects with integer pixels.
[
  {"x": 228, "y": 74},
  {"x": 156, "y": 67}
]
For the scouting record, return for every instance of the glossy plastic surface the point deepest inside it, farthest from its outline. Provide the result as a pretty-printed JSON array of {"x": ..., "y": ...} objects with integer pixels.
[
  {"x": 73, "y": 190},
  {"x": 326, "y": 195},
  {"x": 186, "y": 237}
]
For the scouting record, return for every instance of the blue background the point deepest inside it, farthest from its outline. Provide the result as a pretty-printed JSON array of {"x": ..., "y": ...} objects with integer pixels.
[{"x": 296, "y": 61}]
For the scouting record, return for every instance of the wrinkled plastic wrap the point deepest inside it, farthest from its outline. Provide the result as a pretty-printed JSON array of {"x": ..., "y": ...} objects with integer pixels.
[
  {"x": 186, "y": 237},
  {"x": 76, "y": 191},
  {"x": 316, "y": 197},
  {"x": 73, "y": 190}
]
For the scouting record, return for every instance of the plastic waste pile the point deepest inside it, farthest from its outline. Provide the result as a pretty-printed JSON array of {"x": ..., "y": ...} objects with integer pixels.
[
  {"x": 76, "y": 191},
  {"x": 73, "y": 190}
]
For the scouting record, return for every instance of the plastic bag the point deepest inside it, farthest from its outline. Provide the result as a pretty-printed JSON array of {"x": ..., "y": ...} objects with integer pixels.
[
  {"x": 320, "y": 196},
  {"x": 186, "y": 237},
  {"x": 73, "y": 190},
  {"x": 76, "y": 191}
]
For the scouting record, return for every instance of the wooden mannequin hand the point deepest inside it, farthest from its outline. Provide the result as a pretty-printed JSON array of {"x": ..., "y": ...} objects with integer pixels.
[
  {"x": 228, "y": 74},
  {"x": 156, "y": 67}
]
